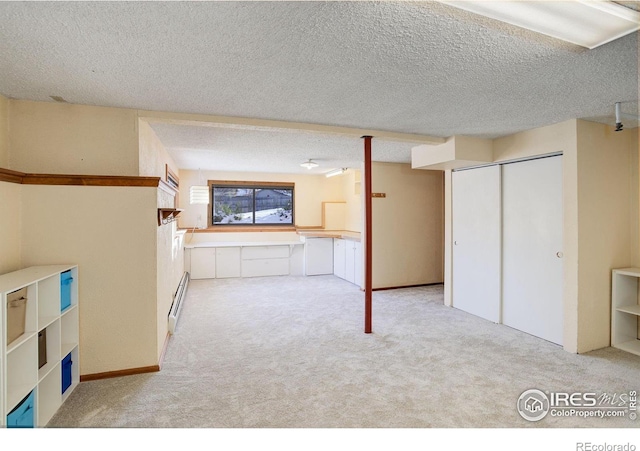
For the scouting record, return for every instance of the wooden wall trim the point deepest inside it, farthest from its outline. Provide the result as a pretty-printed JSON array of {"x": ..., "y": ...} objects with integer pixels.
[
  {"x": 7, "y": 175},
  {"x": 119, "y": 373},
  {"x": 90, "y": 180}
]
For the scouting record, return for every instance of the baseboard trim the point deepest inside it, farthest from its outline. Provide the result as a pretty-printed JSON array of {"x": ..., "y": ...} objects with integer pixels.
[
  {"x": 119, "y": 373},
  {"x": 408, "y": 286}
]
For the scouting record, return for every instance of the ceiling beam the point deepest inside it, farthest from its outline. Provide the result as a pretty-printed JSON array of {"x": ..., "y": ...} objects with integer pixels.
[{"x": 244, "y": 123}]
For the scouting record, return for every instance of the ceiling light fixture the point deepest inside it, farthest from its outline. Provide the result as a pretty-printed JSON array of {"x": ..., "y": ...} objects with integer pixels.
[
  {"x": 588, "y": 23},
  {"x": 309, "y": 164},
  {"x": 335, "y": 172}
]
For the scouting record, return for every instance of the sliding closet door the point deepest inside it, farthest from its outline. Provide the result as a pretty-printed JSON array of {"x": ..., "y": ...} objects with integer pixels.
[
  {"x": 476, "y": 241},
  {"x": 532, "y": 247}
]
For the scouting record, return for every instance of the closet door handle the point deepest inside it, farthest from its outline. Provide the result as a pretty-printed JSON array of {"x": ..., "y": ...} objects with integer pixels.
[{"x": 559, "y": 254}]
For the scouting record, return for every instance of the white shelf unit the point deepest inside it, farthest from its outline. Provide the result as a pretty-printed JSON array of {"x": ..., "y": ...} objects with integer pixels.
[
  {"x": 19, "y": 372},
  {"x": 625, "y": 310}
]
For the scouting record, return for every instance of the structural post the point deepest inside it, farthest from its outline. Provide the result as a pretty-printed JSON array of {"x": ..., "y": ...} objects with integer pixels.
[{"x": 368, "y": 272}]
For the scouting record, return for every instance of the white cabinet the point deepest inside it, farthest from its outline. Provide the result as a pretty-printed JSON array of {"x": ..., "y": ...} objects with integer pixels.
[
  {"x": 260, "y": 261},
  {"x": 203, "y": 263},
  {"x": 54, "y": 373},
  {"x": 625, "y": 310},
  {"x": 353, "y": 264},
  {"x": 339, "y": 257},
  {"x": 318, "y": 256},
  {"x": 227, "y": 262},
  {"x": 347, "y": 260}
]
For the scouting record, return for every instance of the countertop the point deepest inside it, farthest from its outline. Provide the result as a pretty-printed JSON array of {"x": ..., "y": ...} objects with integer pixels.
[{"x": 321, "y": 233}]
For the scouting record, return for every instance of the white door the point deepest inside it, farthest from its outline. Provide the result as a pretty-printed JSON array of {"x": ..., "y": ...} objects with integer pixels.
[
  {"x": 339, "y": 257},
  {"x": 203, "y": 263},
  {"x": 227, "y": 262},
  {"x": 318, "y": 256},
  {"x": 350, "y": 262},
  {"x": 532, "y": 247},
  {"x": 476, "y": 241}
]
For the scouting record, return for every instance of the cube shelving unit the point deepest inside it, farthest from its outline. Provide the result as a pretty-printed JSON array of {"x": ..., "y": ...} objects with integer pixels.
[{"x": 19, "y": 372}]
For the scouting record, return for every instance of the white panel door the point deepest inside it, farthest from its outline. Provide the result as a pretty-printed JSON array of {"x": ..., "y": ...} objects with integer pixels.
[
  {"x": 339, "y": 257},
  {"x": 532, "y": 247},
  {"x": 476, "y": 241},
  {"x": 227, "y": 262},
  {"x": 203, "y": 263},
  {"x": 318, "y": 256},
  {"x": 350, "y": 262}
]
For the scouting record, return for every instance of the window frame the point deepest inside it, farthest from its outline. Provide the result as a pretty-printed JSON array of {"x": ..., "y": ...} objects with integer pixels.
[{"x": 250, "y": 185}]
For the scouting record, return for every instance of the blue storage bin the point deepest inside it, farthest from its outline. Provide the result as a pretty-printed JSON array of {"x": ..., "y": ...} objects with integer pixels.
[
  {"x": 66, "y": 372},
  {"x": 23, "y": 415},
  {"x": 65, "y": 289}
]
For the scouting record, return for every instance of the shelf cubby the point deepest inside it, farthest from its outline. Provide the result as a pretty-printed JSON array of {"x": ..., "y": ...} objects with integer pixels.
[
  {"x": 53, "y": 349},
  {"x": 22, "y": 371},
  {"x": 625, "y": 310}
]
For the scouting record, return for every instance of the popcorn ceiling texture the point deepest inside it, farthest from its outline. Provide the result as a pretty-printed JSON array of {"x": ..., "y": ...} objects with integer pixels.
[{"x": 415, "y": 67}]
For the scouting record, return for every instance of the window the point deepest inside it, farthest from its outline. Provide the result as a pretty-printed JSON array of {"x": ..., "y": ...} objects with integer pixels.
[{"x": 251, "y": 203}]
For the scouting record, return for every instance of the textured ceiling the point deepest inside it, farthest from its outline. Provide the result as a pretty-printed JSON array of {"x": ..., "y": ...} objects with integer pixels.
[{"x": 414, "y": 67}]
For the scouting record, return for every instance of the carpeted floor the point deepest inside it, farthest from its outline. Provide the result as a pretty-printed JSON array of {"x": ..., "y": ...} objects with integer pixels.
[{"x": 290, "y": 352}]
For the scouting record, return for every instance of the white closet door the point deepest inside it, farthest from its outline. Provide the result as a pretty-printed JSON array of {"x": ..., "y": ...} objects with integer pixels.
[
  {"x": 476, "y": 241},
  {"x": 532, "y": 247}
]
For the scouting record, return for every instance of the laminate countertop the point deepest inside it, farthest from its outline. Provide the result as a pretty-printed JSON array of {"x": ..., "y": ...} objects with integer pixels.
[{"x": 344, "y": 234}]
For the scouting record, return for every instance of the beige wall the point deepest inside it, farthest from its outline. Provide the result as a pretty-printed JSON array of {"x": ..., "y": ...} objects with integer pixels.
[
  {"x": 10, "y": 201},
  {"x": 607, "y": 187},
  {"x": 170, "y": 267},
  {"x": 552, "y": 138},
  {"x": 352, "y": 195},
  {"x": 169, "y": 262},
  {"x": 61, "y": 138},
  {"x": 4, "y": 132},
  {"x": 635, "y": 190},
  {"x": 407, "y": 226},
  {"x": 10, "y": 226},
  {"x": 110, "y": 233},
  {"x": 310, "y": 192},
  {"x": 153, "y": 155}
]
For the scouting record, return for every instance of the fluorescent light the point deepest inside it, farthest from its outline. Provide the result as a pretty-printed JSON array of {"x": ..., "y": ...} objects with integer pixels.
[
  {"x": 199, "y": 194},
  {"x": 309, "y": 164},
  {"x": 335, "y": 172},
  {"x": 588, "y": 23}
]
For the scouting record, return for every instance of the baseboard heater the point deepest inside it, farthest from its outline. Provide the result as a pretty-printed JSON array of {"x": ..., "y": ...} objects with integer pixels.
[{"x": 178, "y": 297}]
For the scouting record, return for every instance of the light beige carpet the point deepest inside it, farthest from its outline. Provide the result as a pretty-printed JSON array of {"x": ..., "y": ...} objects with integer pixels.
[{"x": 290, "y": 352}]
